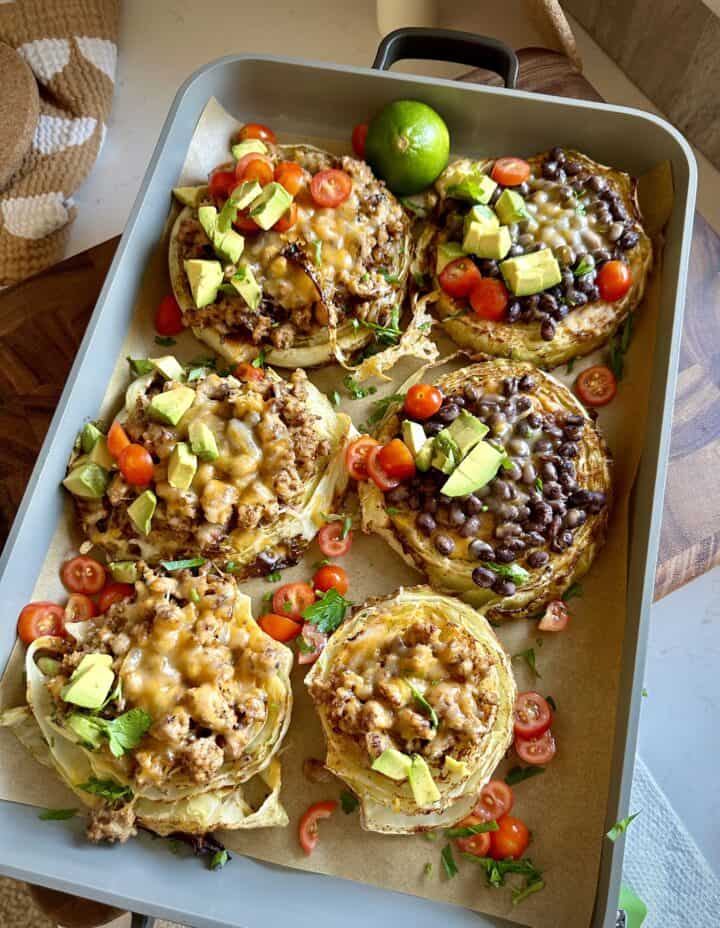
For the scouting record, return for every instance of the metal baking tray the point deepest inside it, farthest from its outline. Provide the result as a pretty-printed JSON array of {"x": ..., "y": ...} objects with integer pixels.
[{"x": 304, "y": 98}]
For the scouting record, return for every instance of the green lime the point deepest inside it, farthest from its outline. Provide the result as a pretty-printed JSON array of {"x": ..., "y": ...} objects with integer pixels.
[{"x": 407, "y": 146}]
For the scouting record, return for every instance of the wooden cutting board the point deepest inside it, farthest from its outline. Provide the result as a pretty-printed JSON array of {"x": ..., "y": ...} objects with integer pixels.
[{"x": 43, "y": 319}]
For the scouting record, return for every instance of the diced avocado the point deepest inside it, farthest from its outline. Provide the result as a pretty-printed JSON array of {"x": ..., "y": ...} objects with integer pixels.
[
  {"x": 510, "y": 207},
  {"x": 190, "y": 196},
  {"x": 85, "y": 729},
  {"x": 89, "y": 437},
  {"x": 229, "y": 245},
  {"x": 169, "y": 367},
  {"x": 487, "y": 242},
  {"x": 124, "y": 571},
  {"x": 424, "y": 788},
  {"x": 208, "y": 218},
  {"x": 424, "y": 456},
  {"x": 202, "y": 441},
  {"x": 48, "y": 666},
  {"x": 100, "y": 454},
  {"x": 531, "y": 273},
  {"x": 182, "y": 466},
  {"x": 91, "y": 660},
  {"x": 477, "y": 469},
  {"x": 204, "y": 278},
  {"x": 90, "y": 689},
  {"x": 456, "y": 766},
  {"x": 466, "y": 183},
  {"x": 245, "y": 193},
  {"x": 249, "y": 147},
  {"x": 482, "y": 214},
  {"x": 267, "y": 208},
  {"x": 414, "y": 436},
  {"x": 446, "y": 454},
  {"x": 87, "y": 480},
  {"x": 467, "y": 430},
  {"x": 171, "y": 406},
  {"x": 141, "y": 511},
  {"x": 247, "y": 286},
  {"x": 393, "y": 763},
  {"x": 446, "y": 253}
]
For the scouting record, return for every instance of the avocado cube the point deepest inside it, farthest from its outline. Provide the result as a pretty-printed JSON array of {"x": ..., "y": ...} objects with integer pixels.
[
  {"x": 89, "y": 437},
  {"x": 424, "y": 788},
  {"x": 482, "y": 214},
  {"x": 169, "y": 367},
  {"x": 424, "y": 456},
  {"x": 100, "y": 454},
  {"x": 124, "y": 571},
  {"x": 190, "y": 196},
  {"x": 248, "y": 147},
  {"x": 88, "y": 481},
  {"x": 531, "y": 273},
  {"x": 453, "y": 766},
  {"x": 247, "y": 286},
  {"x": 89, "y": 689},
  {"x": 466, "y": 183},
  {"x": 267, "y": 208},
  {"x": 245, "y": 193},
  {"x": 447, "y": 252},
  {"x": 141, "y": 511},
  {"x": 202, "y": 441},
  {"x": 393, "y": 764},
  {"x": 229, "y": 245},
  {"x": 414, "y": 436},
  {"x": 446, "y": 454},
  {"x": 85, "y": 729},
  {"x": 182, "y": 467},
  {"x": 510, "y": 207},
  {"x": 478, "y": 469},
  {"x": 467, "y": 430},
  {"x": 486, "y": 242},
  {"x": 91, "y": 660},
  {"x": 204, "y": 278},
  {"x": 208, "y": 219},
  {"x": 169, "y": 407}
]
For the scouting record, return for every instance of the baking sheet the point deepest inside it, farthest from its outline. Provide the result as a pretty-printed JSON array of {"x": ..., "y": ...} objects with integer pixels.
[{"x": 565, "y": 806}]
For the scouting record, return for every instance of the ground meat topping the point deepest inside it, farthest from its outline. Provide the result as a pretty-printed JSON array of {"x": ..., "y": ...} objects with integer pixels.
[{"x": 111, "y": 824}]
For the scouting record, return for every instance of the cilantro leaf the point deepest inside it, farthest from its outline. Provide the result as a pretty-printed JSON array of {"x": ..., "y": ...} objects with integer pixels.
[
  {"x": 328, "y": 612},
  {"x": 569, "y": 366},
  {"x": 386, "y": 334},
  {"x": 334, "y": 398},
  {"x": 428, "y": 869},
  {"x": 644, "y": 692},
  {"x": 518, "y": 774},
  {"x": 584, "y": 267},
  {"x": 551, "y": 702},
  {"x": 621, "y": 827},
  {"x": 273, "y": 576},
  {"x": 219, "y": 859},
  {"x": 529, "y": 657},
  {"x": 513, "y": 572},
  {"x": 57, "y": 815},
  {"x": 381, "y": 406},
  {"x": 259, "y": 361},
  {"x": 392, "y": 510},
  {"x": 302, "y": 645},
  {"x": 194, "y": 596},
  {"x": 424, "y": 704},
  {"x": 109, "y": 790},
  {"x": 184, "y": 564},
  {"x": 140, "y": 366},
  {"x": 470, "y": 830},
  {"x": 126, "y": 731},
  {"x": 389, "y": 277},
  {"x": 430, "y": 835},
  {"x": 539, "y": 484},
  {"x": 165, "y": 340},
  {"x": 355, "y": 390},
  {"x": 317, "y": 252},
  {"x": 448, "y": 862},
  {"x": 528, "y": 889},
  {"x": 348, "y": 801}
]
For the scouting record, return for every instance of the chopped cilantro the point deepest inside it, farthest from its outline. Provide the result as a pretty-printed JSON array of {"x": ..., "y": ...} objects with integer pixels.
[
  {"x": 528, "y": 889},
  {"x": 355, "y": 390},
  {"x": 109, "y": 790},
  {"x": 424, "y": 704},
  {"x": 381, "y": 406},
  {"x": 390, "y": 278},
  {"x": 430, "y": 835},
  {"x": 321, "y": 563},
  {"x": 419, "y": 278},
  {"x": 569, "y": 366},
  {"x": 644, "y": 692},
  {"x": 619, "y": 345},
  {"x": 468, "y": 830},
  {"x": 140, "y": 366},
  {"x": 327, "y": 612},
  {"x": 392, "y": 510},
  {"x": 428, "y": 869},
  {"x": 259, "y": 361},
  {"x": 317, "y": 252},
  {"x": 57, "y": 815},
  {"x": 539, "y": 484},
  {"x": 219, "y": 859},
  {"x": 334, "y": 398},
  {"x": 386, "y": 334},
  {"x": 273, "y": 577},
  {"x": 585, "y": 265},
  {"x": 448, "y": 862},
  {"x": 621, "y": 827},
  {"x": 165, "y": 341},
  {"x": 513, "y": 572},
  {"x": 348, "y": 801},
  {"x": 303, "y": 646},
  {"x": 186, "y": 564},
  {"x": 194, "y": 596}
]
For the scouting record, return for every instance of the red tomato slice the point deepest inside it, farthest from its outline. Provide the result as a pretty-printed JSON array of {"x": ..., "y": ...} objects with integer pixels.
[
  {"x": 254, "y": 130},
  {"x": 83, "y": 575},
  {"x": 254, "y": 167},
  {"x": 489, "y": 299},
  {"x": 39, "y": 619},
  {"x": 114, "y": 593},
  {"x": 422, "y": 401},
  {"x": 79, "y": 607},
  {"x": 596, "y": 385},
  {"x": 220, "y": 183},
  {"x": 308, "y": 827},
  {"x": 380, "y": 477},
  {"x": 314, "y": 639},
  {"x": 556, "y": 618},
  {"x": 291, "y": 599},
  {"x": 287, "y": 220},
  {"x": 290, "y": 175},
  {"x": 246, "y": 225},
  {"x": 330, "y": 188},
  {"x": 495, "y": 799},
  {"x": 117, "y": 440},
  {"x": 510, "y": 171},
  {"x": 331, "y": 577},
  {"x": 510, "y": 840},
  {"x": 473, "y": 844},
  {"x": 613, "y": 280},
  {"x": 279, "y": 627},
  {"x": 248, "y": 373},
  {"x": 396, "y": 459},
  {"x": 540, "y": 750},
  {"x": 168, "y": 318},
  {"x": 330, "y": 540},
  {"x": 357, "y": 454},
  {"x": 459, "y": 277},
  {"x": 359, "y": 134},
  {"x": 532, "y": 715},
  {"x": 136, "y": 465}
]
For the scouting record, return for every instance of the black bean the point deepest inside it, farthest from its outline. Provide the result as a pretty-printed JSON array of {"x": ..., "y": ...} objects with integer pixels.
[
  {"x": 508, "y": 512},
  {"x": 504, "y": 555},
  {"x": 472, "y": 392},
  {"x": 456, "y": 516},
  {"x": 532, "y": 301},
  {"x": 581, "y": 499},
  {"x": 557, "y": 154},
  {"x": 550, "y": 169},
  {"x": 629, "y": 240},
  {"x": 561, "y": 176},
  {"x": 548, "y": 471},
  {"x": 568, "y": 278},
  {"x": 547, "y": 330},
  {"x": 471, "y": 505},
  {"x": 542, "y": 445},
  {"x": 568, "y": 483},
  {"x": 433, "y": 428},
  {"x": 572, "y": 434},
  {"x": 516, "y": 250},
  {"x": 483, "y": 577},
  {"x": 523, "y": 404},
  {"x": 459, "y": 401},
  {"x": 586, "y": 283},
  {"x": 430, "y": 505},
  {"x": 558, "y": 506},
  {"x": 573, "y": 167},
  {"x": 578, "y": 298},
  {"x": 397, "y": 495},
  {"x": 537, "y": 559},
  {"x": 448, "y": 413},
  {"x": 523, "y": 189},
  {"x": 444, "y": 544},
  {"x": 414, "y": 502},
  {"x": 568, "y": 449},
  {"x": 514, "y": 311},
  {"x": 510, "y": 386},
  {"x": 593, "y": 295},
  {"x": 503, "y": 587},
  {"x": 481, "y": 550},
  {"x": 600, "y": 255},
  {"x": 526, "y": 384},
  {"x": 604, "y": 215},
  {"x": 529, "y": 473},
  {"x": 575, "y": 518},
  {"x": 552, "y": 489},
  {"x": 517, "y": 545},
  {"x": 597, "y": 183},
  {"x": 507, "y": 530},
  {"x": 547, "y": 302},
  {"x": 618, "y": 210},
  {"x": 542, "y": 513},
  {"x": 496, "y": 194},
  {"x": 596, "y": 502},
  {"x": 534, "y": 538},
  {"x": 470, "y": 528},
  {"x": 489, "y": 268},
  {"x": 500, "y": 488},
  {"x": 514, "y": 471},
  {"x": 523, "y": 512},
  {"x": 425, "y": 523},
  {"x": 534, "y": 420},
  {"x": 562, "y": 541},
  {"x": 562, "y": 311}
]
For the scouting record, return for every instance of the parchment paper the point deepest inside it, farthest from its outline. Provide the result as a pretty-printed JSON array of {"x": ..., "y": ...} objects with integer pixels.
[{"x": 565, "y": 806}]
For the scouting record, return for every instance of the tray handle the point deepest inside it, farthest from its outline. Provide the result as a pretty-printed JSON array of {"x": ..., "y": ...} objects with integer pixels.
[{"x": 476, "y": 51}]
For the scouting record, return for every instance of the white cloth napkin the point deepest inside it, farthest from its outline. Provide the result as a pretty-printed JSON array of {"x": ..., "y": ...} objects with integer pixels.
[{"x": 663, "y": 865}]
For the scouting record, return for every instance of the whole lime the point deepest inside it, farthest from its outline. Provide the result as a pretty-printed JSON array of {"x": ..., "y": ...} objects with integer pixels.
[{"x": 407, "y": 146}]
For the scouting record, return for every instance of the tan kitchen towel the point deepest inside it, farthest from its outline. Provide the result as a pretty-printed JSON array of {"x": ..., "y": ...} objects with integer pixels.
[{"x": 70, "y": 46}]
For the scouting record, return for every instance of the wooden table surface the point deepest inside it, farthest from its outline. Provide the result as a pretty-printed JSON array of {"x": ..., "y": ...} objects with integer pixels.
[{"x": 42, "y": 321}]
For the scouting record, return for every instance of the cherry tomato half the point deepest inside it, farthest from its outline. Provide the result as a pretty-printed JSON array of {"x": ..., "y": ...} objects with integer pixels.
[
  {"x": 254, "y": 130},
  {"x": 117, "y": 440},
  {"x": 556, "y": 618},
  {"x": 287, "y": 220},
  {"x": 422, "y": 401},
  {"x": 79, "y": 607},
  {"x": 331, "y": 577},
  {"x": 510, "y": 171},
  {"x": 114, "y": 593},
  {"x": 495, "y": 799},
  {"x": 291, "y": 599},
  {"x": 248, "y": 373},
  {"x": 279, "y": 627},
  {"x": 246, "y": 225},
  {"x": 510, "y": 840},
  {"x": 359, "y": 134},
  {"x": 540, "y": 750},
  {"x": 168, "y": 318},
  {"x": 220, "y": 183},
  {"x": 458, "y": 277},
  {"x": 396, "y": 459},
  {"x": 313, "y": 639},
  {"x": 290, "y": 175},
  {"x": 357, "y": 454},
  {"x": 532, "y": 715},
  {"x": 39, "y": 619},
  {"x": 380, "y": 477},
  {"x": 489, "y": 299},
  {"x": 473, "y": 844},
  {"x": 330, "y": 540},
  {"x": 254, "y": 167},
  {"x": 83, "y": 575},
  {"x": 596, "y": 385},
  {"x": 613, "y": 280},
  {"x": 136, "y": 465},
  {"x": 308, "y": 826},
  {"x": 330, "y": 188}
]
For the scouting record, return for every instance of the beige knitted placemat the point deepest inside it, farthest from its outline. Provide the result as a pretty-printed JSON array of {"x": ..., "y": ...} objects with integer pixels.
[{"x": 70, "y": 46}]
